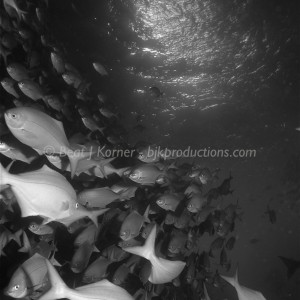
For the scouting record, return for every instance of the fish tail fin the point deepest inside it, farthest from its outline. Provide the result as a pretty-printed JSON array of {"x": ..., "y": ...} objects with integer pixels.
[
  {"x": 101, "y": 163},
  {"x": 121, "y": 171},
  {"x": 75, "y": 157},
  {"x": 159, "y": 275},
  {"x": 26, "y": 244},
  {"x": 58, "y": 288},
  {"x": 17, "y": 236},
  {"x": 147, "y": 250},
  {"x": 94, "y": 214},
  {"x": 291, "y": 265},
  {"x": 232, "y": 280}
]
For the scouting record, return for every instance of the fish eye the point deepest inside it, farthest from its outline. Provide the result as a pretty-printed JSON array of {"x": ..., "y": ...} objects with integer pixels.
[
  {"x": 33, "y": 226},
  {"x": 14, "y": 116},
  {"x": 77, "y": 205},
  {"x": 16, "y": 287},
  {"x": 159, "y": 201}
]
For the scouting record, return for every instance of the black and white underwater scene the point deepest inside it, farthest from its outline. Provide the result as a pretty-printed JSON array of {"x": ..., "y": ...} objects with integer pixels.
[{"x": 150, "y": 149}]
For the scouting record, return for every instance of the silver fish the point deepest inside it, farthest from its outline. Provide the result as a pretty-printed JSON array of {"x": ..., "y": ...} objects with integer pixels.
[{"x": 101, "y": 290}]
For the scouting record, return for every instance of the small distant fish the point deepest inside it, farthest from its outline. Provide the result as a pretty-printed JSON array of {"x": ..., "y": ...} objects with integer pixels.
[
  {"x": 100, "y": 69},
  {"x": 196, "y": 203},
  {"x": 145, "y": 174},
  {"x": 14, "y": 4},
  {"x": 14, "y": 149},
  {"x": 177, "y": 242},
  {"x": 57, "y": 62},
  {"x": 291, "y": 265},
  {"x": 72, "y": 78},
  {"x": 99, "y": 197},
  {"x": 96, "y": 270},
  {"x": 81, "y": 257},
  {"x": 120, "y": 275},
  {"x": 271, "y": 214},
  {"x": 206, "y": 176},
  {"x": 107, "y": 113},
  {"x": 224, "y": 188},
  {"x": 169, "y": 201},
  {"x": 132, "y": 225},
  {"x": 217, "y": 243},
  {"x": 147, "y": 229},
  {"x": 148, "y": 154},
  {"x": 230, "y": 243},
  {"x": 40, "y": 229},
  {"x": 92, "y": 125},
  {"x": 31, "y": 89},
  {"x": 9, "y": 85},
  {"x": 88, "y": 234},
  {"x": 54, "y": 102},
  {"x": 155, "y": 91},
  {"x": 183, "y": 220},
  {"x": 17, "y": 71}
]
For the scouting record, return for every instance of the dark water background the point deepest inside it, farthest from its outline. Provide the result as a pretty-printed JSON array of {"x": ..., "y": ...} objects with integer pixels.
[{"x": 229, "y": 71}]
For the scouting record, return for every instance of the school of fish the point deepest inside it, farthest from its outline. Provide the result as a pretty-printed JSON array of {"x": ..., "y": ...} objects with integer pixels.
[{"x": 84, "y": 224}]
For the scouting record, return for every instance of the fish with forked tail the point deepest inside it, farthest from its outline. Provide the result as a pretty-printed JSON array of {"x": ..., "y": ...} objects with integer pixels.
[
  {"x": 163, "y": 270},
  {"x": 41, "y": 132},
  {"x": 45, "y": 193},
  {"x": 101, "y": 290}
]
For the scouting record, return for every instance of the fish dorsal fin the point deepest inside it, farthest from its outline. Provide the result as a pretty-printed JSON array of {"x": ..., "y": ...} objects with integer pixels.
[
  {"x": 146, "y": 214},
  {"x": 58, "y": 287},
  {"x": 236, "y": 275},
  {"x": 147, "y": 250},
  {"x": 60, "y": 125}
]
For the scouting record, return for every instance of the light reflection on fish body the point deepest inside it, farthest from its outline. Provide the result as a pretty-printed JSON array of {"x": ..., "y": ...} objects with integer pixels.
[{"x": 101, "y": 290}]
